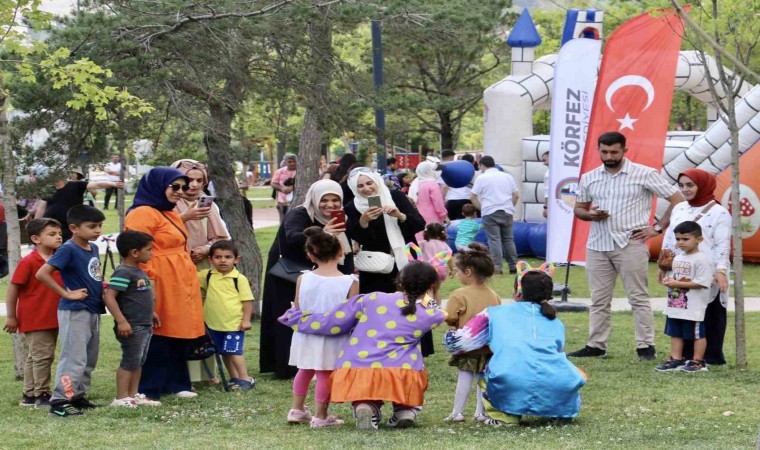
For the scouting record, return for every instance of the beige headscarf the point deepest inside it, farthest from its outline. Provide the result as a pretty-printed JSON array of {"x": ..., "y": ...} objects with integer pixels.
[
  {"x": 205, "y": 231},
  {"x": 314, "y": 195}
]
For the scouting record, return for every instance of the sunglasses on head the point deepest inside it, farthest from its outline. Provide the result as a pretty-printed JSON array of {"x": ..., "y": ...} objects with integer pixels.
[{"x": 176, "y": 186}]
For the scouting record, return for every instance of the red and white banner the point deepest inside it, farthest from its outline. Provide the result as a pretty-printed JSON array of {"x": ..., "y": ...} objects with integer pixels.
[
  {"x": 633, "y": 95},
  {"x": 572, "y": 95}
]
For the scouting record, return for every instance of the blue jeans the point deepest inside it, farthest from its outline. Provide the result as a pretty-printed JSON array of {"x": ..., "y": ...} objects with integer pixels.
[{"x": 501, "y": 241}]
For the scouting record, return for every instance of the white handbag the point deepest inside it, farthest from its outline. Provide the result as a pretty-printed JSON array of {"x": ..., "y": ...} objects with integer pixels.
[{"x": 374, "y": 262}]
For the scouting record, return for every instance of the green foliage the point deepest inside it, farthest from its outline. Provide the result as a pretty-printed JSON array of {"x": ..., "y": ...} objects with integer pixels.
[{"x": 437, "y": 56}]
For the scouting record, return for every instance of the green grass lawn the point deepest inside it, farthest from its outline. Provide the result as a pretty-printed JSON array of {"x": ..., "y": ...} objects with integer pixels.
[{"x": 626, "y": 404}]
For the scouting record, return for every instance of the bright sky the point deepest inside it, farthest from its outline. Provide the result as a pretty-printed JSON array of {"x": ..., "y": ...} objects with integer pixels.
[{"x": 58, "y": 7}]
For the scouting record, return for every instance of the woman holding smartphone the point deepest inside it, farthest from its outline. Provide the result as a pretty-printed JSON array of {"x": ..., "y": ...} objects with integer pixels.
[
  {"x": 382, "y": 220},
  {"x": 204, "y": 226},
  {"x": 323, "y": 207},
  {"x": 200, "y": 214}
]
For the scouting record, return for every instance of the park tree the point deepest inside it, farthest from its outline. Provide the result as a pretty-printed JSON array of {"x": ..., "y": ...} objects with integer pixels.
[
  {"x": 728, "y": 30},
  {"x": 437, "y": 55},
  {"x": 29, "y": 61}
]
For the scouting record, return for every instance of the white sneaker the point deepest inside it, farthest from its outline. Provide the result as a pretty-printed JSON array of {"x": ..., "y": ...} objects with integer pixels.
[
  {"x": 126, "y": 402},
  {"x": 185, "y": 394},
  {"x": 454, "y": 418},
  {"x": 402, "y": 419},
  {"x": 142, "y": 400}
]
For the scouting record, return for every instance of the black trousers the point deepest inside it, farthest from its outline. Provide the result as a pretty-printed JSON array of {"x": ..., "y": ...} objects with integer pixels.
[
  {"x": 107, "y": 199},
  {"x": 454, "y": 208},
  {"x": 716, "y": 321}
]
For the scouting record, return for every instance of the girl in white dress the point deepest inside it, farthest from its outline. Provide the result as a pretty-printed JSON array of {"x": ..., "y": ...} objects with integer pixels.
[{"x": 320, "y": 290}]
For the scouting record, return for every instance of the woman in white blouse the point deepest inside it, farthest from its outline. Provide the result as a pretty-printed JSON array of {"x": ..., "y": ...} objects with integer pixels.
[{"x": 698, "y": 188}]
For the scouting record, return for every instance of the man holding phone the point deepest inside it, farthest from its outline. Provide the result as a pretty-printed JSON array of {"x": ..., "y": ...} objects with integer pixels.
[{"x": 616, "y": 198}]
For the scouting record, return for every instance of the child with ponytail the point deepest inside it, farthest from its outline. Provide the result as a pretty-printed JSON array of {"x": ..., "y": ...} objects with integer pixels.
[
  {"x": 473, "y": 268},
  {"x": 382, "y": 360},
  {"x": 318, "y": 291},
  {"x": 528, "y": 374}
]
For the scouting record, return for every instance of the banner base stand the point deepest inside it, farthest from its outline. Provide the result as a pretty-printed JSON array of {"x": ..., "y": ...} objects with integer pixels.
[{"x": 565, "y": 306}]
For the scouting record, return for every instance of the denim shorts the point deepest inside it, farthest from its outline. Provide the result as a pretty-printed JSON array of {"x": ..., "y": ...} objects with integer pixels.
[
  {"x": 134, "y": 348},
  {"x": 228, "y": 342},
  {"x": 684, "y": 329}
]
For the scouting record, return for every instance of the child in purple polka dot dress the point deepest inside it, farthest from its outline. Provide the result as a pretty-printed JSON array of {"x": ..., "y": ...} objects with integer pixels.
[
  {"x": 318, "y": 291},
  {"x": 382, "y": 360}
]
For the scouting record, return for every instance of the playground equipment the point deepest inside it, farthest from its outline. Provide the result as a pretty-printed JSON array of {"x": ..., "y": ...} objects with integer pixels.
[{"x": 510, "y": 103}]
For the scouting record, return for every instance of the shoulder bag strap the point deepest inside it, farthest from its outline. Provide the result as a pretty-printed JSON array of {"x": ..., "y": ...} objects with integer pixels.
[
  {"x": 704, "y": 211},
  {"x": 175, "y": 225}
]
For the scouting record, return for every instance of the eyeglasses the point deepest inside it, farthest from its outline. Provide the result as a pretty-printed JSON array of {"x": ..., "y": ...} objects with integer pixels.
[
  {"x": 176, "y": 186},
  {"x": 359, "y": 170}
]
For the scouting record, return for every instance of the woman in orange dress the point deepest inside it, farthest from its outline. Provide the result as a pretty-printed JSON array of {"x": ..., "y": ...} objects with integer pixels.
[{"x": 175, "y": 284}]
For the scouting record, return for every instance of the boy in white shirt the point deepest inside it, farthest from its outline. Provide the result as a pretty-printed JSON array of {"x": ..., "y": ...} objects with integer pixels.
[{"x": 688, "y": 297}]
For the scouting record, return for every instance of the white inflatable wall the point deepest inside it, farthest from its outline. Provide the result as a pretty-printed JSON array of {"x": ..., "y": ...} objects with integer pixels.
[{"x": 508, "y": 127}]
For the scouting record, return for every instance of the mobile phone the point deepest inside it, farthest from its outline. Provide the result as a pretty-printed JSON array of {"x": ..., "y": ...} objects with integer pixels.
[
  {"x": 338, "y": 214},
  {"x": 206, "y": 202},
  {"x": 375, "y": 201},
  {"x": 602, "y": 211}
]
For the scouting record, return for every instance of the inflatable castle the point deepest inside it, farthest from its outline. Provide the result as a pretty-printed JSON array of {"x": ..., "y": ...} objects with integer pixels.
[{"x": 509, "y": 106}]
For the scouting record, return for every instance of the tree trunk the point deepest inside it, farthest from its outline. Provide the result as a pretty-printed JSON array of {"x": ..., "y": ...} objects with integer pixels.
[
  {"x": 220, "y": 165},
  {"x": 447, "y": 130},
  {"x": 317, "y": 99},
  {"x": 309, "y": 150},
  {"x": 736, "y": 232},
  {"x": 13, "y": 229}
]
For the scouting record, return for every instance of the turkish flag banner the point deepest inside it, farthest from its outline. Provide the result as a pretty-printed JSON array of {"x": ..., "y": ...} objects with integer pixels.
[{"x": 633, "y": 96}]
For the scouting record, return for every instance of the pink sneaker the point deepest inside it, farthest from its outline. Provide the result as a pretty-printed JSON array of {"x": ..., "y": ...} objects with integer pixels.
[
  {"x": 330, "y": 421},
  {"x": 296, "y": 416}
]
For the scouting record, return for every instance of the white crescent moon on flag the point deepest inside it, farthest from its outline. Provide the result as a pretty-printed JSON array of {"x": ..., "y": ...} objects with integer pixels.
[{"x": 630, "y": 80}]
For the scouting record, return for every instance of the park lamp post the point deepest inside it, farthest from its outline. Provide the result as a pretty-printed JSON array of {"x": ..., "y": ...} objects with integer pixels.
[{"x": 377, "y": 76}]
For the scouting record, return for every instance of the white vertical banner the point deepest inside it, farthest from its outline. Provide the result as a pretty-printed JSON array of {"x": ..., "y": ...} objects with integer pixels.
[{"x": 574, "y": 82}]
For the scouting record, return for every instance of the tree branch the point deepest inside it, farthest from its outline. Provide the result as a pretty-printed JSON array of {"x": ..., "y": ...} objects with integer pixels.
[
  {"x": 147, "y": 38},
  {"x": 738, "y": 65}
]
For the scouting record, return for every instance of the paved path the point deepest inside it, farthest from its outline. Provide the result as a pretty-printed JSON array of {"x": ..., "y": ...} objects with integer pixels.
[{"x": 262, "y": 218}]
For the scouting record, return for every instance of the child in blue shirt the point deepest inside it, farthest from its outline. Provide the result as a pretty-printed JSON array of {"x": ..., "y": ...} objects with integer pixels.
[
  {"x": 468, "y": 227},
  {"x": 79, "y": 309}
]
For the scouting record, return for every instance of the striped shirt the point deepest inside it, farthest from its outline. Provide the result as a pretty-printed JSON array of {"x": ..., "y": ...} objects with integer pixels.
[
  {"x": 627, "y": 195},
  {"x": 466, "y": 231}
]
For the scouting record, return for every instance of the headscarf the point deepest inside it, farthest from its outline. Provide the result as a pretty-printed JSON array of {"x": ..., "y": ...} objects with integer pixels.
[
  {"x": 210, "y": 229},
  {"x": 311, "y": 203},
  {"x": 706, "y": 185},
  {"x": 426, "y": 171},
  {"x": 151, "y": 190},
  {"x": 392, "y": 229},
  {"x": 186, "y": 165}
]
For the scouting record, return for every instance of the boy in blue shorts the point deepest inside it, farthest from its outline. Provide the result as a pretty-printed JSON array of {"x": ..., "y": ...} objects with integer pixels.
[
  {"x": 129, "y": 298},
  {"x": 79, "y": 309},
  {"x": 688, "y": 297},
  {"x": 227, "y": 307}
]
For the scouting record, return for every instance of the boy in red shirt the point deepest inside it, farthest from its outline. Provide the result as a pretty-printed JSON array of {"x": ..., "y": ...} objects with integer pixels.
[{"x": 33, "y": 310}]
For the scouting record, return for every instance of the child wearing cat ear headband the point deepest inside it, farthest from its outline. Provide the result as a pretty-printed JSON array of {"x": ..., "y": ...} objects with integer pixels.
[{"x": 529, "y": 373}]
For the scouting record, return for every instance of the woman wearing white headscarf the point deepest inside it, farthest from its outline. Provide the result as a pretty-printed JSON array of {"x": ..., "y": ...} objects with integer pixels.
[
  {"x": 385, "y": 229},
  {"x": 429, "y": 201},
  {"x": 323, "y": 197}
]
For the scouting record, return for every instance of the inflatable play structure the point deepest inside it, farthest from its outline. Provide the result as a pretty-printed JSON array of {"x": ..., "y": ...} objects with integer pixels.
[{"x": 509, "y": 106}]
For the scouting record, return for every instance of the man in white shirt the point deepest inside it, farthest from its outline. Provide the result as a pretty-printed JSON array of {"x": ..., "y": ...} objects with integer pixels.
[
  {"x": 495, "y": 194},
  {"x": 113, "y": 173}
]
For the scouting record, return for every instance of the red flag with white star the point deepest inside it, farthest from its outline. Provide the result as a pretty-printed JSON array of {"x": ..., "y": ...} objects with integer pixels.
[{"x": 633, "y": 96}]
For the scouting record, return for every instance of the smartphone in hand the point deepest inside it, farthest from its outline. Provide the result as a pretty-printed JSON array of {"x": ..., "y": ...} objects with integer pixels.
[
  {"x": 206, "y": 202},
  {"x": 340, "y": 215},
  {"x": 375, "y": 201}
]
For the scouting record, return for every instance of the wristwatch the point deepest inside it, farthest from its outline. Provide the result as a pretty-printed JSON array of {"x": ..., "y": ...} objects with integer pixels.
[
  {"x": 723, "y": 271},
  {"x": 657, "y": 228}
]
